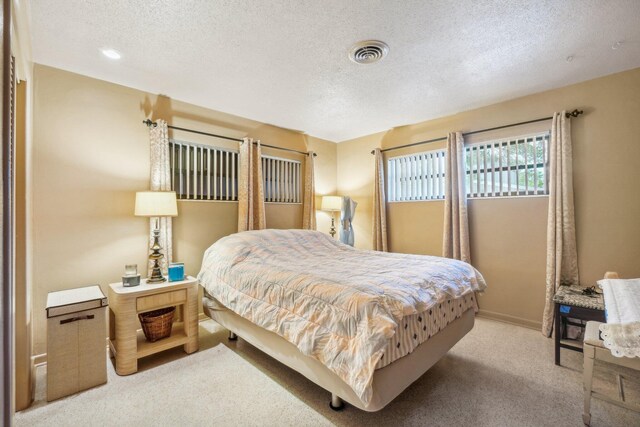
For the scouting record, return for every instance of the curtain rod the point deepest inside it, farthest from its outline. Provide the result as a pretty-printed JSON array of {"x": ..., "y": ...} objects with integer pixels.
[
  {"x": 150, "y": 124},
  {"x": 574, "y": 113}
]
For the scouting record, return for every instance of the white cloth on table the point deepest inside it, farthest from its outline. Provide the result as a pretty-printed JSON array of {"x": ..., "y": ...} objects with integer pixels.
[{"x": 621, "y": 333}]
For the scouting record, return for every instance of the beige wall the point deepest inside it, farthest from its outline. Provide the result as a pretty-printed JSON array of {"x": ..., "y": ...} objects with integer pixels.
[
  {"x": 355, "y": 171},
  {"x": 90, "y": 156},
  {"x": 508, "y": 236}
]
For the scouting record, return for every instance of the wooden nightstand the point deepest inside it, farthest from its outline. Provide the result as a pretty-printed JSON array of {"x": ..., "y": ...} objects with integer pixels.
[{"x": 126, "y": 339}]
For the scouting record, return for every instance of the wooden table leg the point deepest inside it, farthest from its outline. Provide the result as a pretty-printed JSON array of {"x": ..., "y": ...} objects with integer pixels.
[{"x": 558, "y": 333}]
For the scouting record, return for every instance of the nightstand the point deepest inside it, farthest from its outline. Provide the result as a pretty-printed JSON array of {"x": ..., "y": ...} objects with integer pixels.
[
  {"x": 571, "y": 303},
  {"x": 126, "y": 339}
]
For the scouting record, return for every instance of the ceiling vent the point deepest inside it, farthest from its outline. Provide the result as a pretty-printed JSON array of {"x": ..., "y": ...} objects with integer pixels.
[{"x": 368, "y": 52}]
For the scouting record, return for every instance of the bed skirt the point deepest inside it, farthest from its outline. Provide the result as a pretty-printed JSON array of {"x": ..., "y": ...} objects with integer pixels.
[{"x": 388, "y": 382}]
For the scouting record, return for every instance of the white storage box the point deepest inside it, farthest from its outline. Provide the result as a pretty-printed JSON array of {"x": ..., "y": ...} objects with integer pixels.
[{"x": 76, "y": 341}]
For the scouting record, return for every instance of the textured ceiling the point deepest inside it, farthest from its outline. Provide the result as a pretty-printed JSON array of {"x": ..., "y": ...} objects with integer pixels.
[{"x": 285, "y": 62}]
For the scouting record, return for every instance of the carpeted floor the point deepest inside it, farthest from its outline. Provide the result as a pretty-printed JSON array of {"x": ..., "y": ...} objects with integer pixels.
[{"x": 498, "y": 375}]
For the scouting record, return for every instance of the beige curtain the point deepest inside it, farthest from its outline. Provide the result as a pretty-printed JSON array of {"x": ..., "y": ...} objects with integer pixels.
[
  {"x": 456, "y": 224},
  {"x": 251, "y": 214},
  {"x": 160, "y": 180},
  {"x": 562, "y": 255},
  {"x": 309, "y": 201},
  {"x": 379, "y": 206}
]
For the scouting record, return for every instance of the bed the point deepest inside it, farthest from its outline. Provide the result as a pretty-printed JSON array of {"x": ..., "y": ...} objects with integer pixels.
[{"x": 361, "y": 324}]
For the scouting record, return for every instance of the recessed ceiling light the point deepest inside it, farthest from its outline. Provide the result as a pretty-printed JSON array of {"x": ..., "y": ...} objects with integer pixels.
[{"x": 111, "y": 53}]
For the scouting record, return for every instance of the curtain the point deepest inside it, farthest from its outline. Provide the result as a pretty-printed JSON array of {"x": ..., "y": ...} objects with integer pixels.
[
  {"x": 379, "y": 206},
  {"x": 309, "y": 200},
  {"x": 251, "y": 214},
  {"x": 160, "y": 180},
  {"x": 562, "y": 256},
  {"x": 456, "y": 224},
  {"x": 346, "y": 218}
]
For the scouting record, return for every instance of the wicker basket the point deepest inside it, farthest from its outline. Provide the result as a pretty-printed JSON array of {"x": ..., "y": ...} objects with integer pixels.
[{"x": 157, "y": 324}]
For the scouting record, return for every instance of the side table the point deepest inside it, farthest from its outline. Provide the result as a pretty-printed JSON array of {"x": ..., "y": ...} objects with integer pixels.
[
  {"x": 570, "y": 302},
  {"x": 126, "y": 339}
]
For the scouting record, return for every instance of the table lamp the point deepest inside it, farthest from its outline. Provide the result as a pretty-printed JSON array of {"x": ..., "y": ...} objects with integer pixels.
[
  {"x": 156, "y": 204},
  {"x": 332, "y": 204}
]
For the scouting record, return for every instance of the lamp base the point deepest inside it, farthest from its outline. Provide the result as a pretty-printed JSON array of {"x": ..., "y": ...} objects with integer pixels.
[
  {"x": 153, "y": 280},
  {"x": 156, "y": 256},
  {"x": 332, "y": 231}
]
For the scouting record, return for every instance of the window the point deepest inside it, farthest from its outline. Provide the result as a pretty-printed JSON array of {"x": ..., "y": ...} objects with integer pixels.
[
  {"x": 201, "y": 172},
  {"x": 281, "y": 180},
  {"x": 503, "y": 168},
  {"x": 513, "y": 167},
  {"x": 416, "y": 177}
]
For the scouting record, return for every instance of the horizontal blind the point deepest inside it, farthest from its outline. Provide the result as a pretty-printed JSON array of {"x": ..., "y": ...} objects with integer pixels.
[
  {"x": 504, "y": 168},
  {"x": 282, "y": 180},
  {"x": 201, "y": 172},
  {"x": 416, "y": 177}
]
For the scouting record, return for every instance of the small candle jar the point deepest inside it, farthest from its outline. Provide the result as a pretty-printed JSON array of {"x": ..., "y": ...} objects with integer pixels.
[
  {"x": 176, "y": 271},
  {"x": 131, "y": 269},
  {"x": 131, "y": 276}
]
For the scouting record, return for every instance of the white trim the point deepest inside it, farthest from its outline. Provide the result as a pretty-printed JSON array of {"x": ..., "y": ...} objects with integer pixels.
[
  {"x": 21, "y": 38},
  {"x": 39, "y": 360}
]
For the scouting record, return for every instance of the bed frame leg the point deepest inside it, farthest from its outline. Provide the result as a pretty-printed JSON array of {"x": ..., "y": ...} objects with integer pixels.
[
  {"x": 232, "y": 336},
  {"x": 336, "y": 403}
]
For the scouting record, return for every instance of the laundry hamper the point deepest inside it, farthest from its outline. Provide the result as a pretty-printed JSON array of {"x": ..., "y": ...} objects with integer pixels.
[{"x": 76, "y": 337}]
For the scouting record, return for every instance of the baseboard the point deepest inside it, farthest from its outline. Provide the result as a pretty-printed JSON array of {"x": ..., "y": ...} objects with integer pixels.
[
  {"x": 531, "y": 324},
  {"x": 38, "y": 359}
]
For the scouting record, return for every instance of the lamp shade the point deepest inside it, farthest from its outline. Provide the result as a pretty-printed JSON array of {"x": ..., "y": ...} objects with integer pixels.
[
  {"x": 331, "y": 203},
  {"x": 156, "y": 203}
]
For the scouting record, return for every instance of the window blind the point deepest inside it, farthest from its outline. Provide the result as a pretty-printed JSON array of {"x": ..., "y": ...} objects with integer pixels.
[
  {"x": 201, "y": 172},
  {"x": 512, "y": 167},
  {"x": 282, "y": 180},
  {"x": 416, "y": 177}
]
